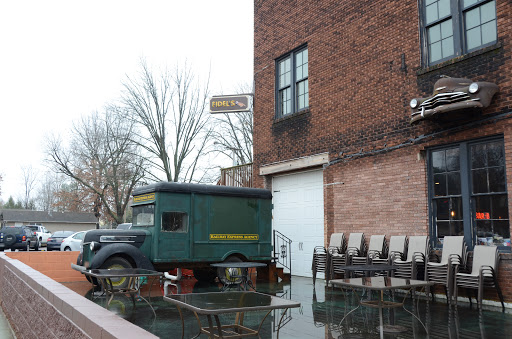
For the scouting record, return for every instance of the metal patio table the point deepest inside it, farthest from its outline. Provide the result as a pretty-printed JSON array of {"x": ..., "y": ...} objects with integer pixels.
[
  {"x": 381, "y": 285},
  {"x": 239, "y": 302},
  {"x": 105, "y": 276},
  {"x": 242, "y": 281}
]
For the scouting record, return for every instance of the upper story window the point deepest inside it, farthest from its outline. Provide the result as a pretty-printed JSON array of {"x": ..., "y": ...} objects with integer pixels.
[
  {"x": 292, "y": 82},
  {"x": 455, "y": 27}
]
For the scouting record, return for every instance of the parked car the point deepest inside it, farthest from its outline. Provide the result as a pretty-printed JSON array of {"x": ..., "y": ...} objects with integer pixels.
[
  {"x": 19, "y": 237},
  {"x": 56, "y": 239},
  {"x": 125, "y": 226},
  {"x": 42, "y": 233},
  {"x": 73, "y": 242}
]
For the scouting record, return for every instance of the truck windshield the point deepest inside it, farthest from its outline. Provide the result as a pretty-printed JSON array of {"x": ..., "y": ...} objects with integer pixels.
[{"x": 144, "y": 215}]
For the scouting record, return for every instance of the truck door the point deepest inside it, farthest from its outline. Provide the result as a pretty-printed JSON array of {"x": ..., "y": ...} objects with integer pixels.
[{"x": 173, "y": 240}]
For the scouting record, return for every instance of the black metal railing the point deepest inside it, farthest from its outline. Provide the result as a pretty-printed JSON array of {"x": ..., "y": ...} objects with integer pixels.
[{"x": 283, "y": 250}]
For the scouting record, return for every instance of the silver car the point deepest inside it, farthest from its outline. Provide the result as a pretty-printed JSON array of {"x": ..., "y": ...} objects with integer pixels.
[{"x": 73, "y": 242}]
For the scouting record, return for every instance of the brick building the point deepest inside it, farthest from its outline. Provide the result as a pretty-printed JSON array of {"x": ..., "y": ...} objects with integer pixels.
[{"x": 333, "y": 136}]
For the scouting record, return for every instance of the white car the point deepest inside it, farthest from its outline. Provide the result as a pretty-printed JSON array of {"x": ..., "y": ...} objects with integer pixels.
[
  {"x": 73, "y": 242},
  {"x": 42, "y": 233}
]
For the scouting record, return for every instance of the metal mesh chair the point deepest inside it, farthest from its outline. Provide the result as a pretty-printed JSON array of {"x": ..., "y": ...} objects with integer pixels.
[
  {"x": 454, "y": 254},
  {"x": 484, "y": 273},
  {"x": 376, "y": 249},
  {"x": 355, "y": 247},
  {"x": 321, "y": 255},
  {"x": 417, "y": 253}
]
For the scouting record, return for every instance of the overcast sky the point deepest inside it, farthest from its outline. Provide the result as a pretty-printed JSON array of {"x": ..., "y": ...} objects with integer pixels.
[{"x": 63, "y": 59}]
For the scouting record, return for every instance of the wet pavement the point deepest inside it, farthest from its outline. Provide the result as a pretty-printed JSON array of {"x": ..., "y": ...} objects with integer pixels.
[{"x": 322, "y": 309}]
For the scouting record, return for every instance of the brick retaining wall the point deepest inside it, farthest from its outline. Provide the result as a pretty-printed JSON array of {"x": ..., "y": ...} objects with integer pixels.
[{"x": 40, "y": 307}]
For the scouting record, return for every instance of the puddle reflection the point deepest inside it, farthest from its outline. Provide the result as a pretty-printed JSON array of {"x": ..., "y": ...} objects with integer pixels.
[{"x": 322, "y": 309}]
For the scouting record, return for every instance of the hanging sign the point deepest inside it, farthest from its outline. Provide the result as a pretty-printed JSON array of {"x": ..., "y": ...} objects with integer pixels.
[{"x": 230, "y": 104}]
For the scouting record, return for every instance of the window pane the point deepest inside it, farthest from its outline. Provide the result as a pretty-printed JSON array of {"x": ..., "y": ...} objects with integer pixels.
[
  {"x": 446, "y": 29},
  {"x": 456, "y": 209},
  {"x": 497, "y": 179},
  {"x": 434, "y": 34},
  {"x": 478, "y": 156},
  {"x": 488, "y": 12},
  {"x": 435, "y": 52},
  {"x": 483, "y": 208},
  {"x": 469, "y": 2},
  {"x": 480, "y": 181},
  {"x": 501, "y": 233},
  {"x": 453, "y": 183},
  {"x": 174, "y": 222},
  {"x": 484, "y": 230},
  {"x": 302, "y": 94},
  {"x": 284, "y": 73},
  {"x": 473, "y": 38},
  {"x": 447, "y": 47},
  {"x": 499, "y": 207},
  {"x": 495, "y": 156},
  {"x": 443, "y": 229},
  {"x": 440, "y": 185},
  {"x": 452, "y": 159},
  {"x": 444, "y": 8},
  {"x": 284, "y": 101},
  {"x": 438, "y": 163},
  {"x": 457, "y": 228},
  {"x": 443, "y": 209},
  {"x": 489, "y": 32},
  {"x": 431, "y": 13},
  {"x": 473, "y": 18}
]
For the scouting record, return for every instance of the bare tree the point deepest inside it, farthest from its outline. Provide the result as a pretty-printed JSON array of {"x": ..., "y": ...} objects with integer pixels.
[
  {"x": 172, "y": 110},
  {"x": 233, "y": 133},
  {"x": 47, "y": 197},
  {"x": 29, "y": 183},
  {"x": 103, "y": 159}
]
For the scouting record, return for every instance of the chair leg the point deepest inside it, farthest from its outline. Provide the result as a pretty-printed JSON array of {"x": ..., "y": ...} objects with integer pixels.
[{"x": 500, "y": 295}]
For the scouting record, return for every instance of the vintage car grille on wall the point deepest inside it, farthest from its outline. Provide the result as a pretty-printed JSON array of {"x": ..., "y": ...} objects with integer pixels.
[{"x": 444, "y": 99}]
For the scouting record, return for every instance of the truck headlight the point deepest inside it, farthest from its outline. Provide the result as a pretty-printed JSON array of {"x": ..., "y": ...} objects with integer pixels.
[
  {"x": 414, "y": 103},
  {"x": 473, "y": 88},
  {"x": 94, "y": 246}
]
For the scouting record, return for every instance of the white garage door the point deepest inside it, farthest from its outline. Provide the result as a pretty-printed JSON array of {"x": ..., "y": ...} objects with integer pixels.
[{"x": 299, "y": 214}]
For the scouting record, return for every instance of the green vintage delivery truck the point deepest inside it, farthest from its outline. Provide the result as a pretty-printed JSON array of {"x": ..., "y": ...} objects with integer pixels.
[{"x": 181, "y": 225}]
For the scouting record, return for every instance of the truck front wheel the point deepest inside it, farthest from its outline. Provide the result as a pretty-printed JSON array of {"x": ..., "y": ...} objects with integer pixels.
[
  {"x": 205, "y": 274},
  {"x": 117, "y": 263},
  {"x": 231, "y": 275}
]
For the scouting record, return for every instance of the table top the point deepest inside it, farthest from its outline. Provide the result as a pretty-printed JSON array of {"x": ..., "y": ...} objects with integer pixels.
[
  {"x": 368, "y": 267},
  {"x": 380, "y": 283},
  {"x": 124, "y": 272},
  {"x": 246, "y": 264},
  {"x": 229, "y": 302}
]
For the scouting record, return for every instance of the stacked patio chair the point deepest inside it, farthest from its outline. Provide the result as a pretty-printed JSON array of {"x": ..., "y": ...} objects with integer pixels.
[
  {"x": 397, "y": 249},
  {"x": 484, "y": 273},
  {"x": 355, "y": 247},
  {"x": 321, "y": 255},
  {"x": 417, "y": 254},
  {"x": 376, "y": 249},
  {"x": 454, "y": 254}
]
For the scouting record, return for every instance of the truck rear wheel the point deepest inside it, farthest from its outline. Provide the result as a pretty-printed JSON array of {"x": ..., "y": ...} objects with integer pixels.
[
  {"x": 205, "y": 274},
  {"x": 117, "y": 263}
]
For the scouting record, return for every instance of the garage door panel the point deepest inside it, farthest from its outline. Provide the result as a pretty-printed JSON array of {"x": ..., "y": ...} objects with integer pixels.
[{"x": 298, "y": 214}]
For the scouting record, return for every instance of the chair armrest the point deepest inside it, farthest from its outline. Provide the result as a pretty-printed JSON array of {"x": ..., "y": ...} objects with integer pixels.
[
  {"x": 352, "y": 251},
  {"x": 374, "y": 254},
  {"x": 418, "y": 257},
  {"x": 393, "y": 255},
  {"x": 487, "y": 271}
]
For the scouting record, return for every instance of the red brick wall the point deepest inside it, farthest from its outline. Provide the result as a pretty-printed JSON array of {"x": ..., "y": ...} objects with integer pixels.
[{"x": 359, "y": 95}]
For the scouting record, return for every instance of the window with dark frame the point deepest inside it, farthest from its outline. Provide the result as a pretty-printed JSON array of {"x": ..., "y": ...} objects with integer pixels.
[
  {"x": 292, "y": 85},
  {"x": 174, "y": 222},
  {"x": 468, "y": 193},
  {"x": 455, "y": 27}
]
